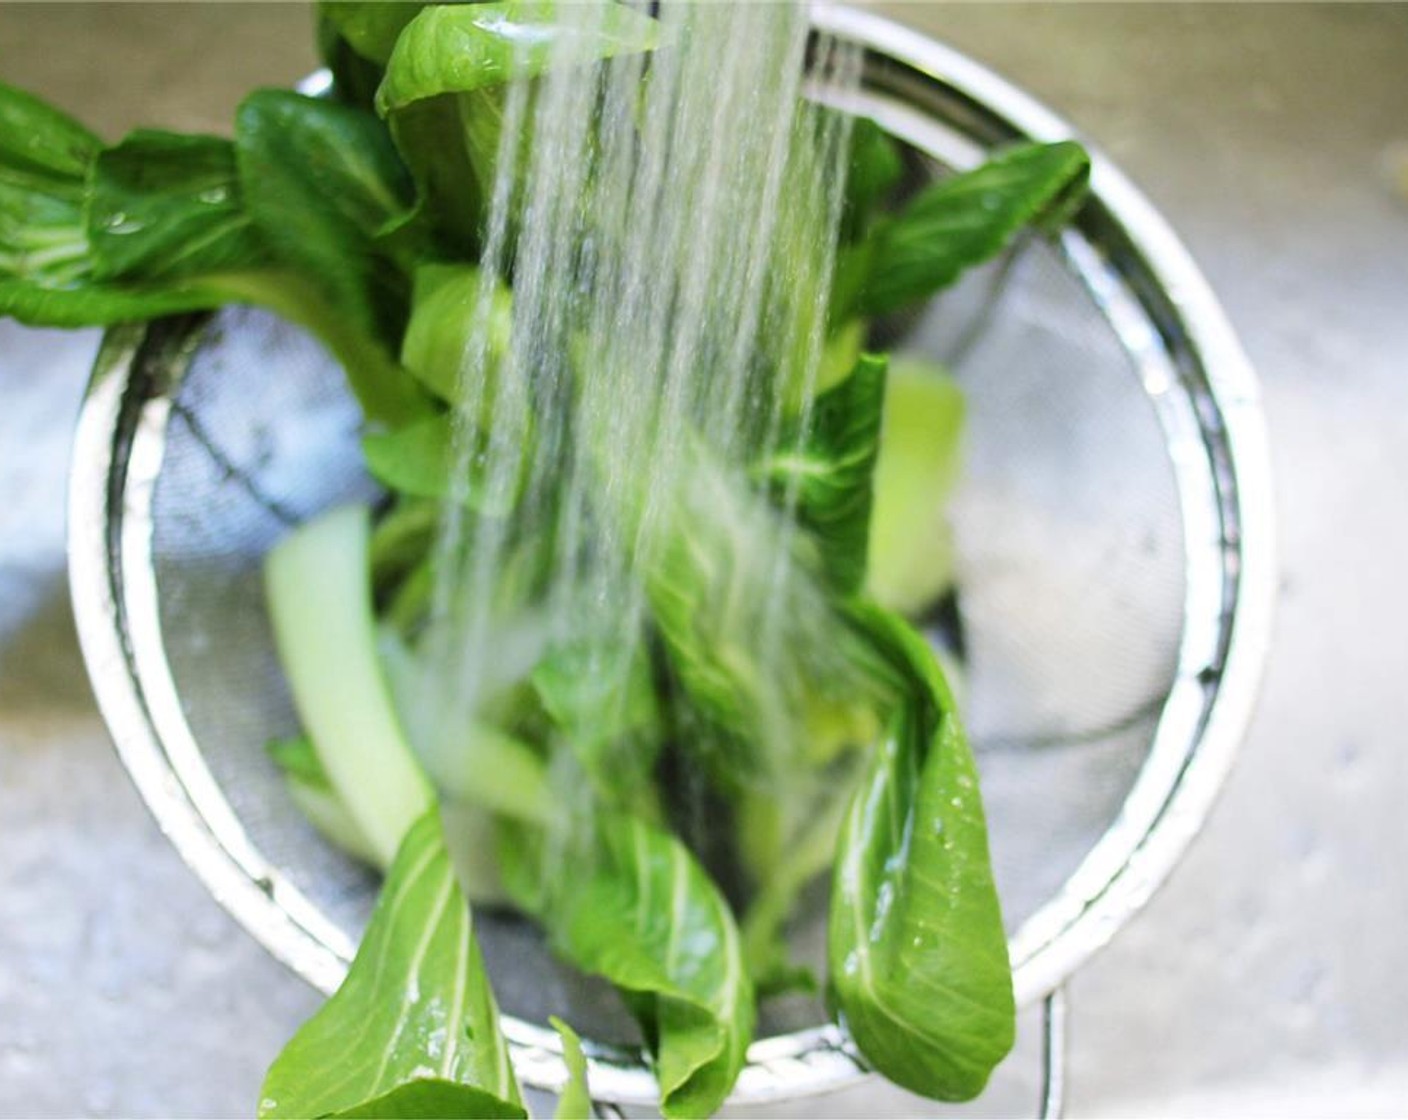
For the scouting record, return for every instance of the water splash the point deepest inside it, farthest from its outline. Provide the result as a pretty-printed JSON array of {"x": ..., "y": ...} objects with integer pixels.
[{"x": 668, "y": 223}]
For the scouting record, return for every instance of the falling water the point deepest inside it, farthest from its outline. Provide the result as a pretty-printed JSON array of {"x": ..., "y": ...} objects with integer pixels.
[{"x": 667, "y": 221}]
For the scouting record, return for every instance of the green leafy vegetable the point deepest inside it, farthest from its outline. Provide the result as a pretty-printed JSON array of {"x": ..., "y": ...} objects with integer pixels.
[
  {"x": 955, "y": 224},
  {"x": 575, "y": 1102},
  {"x": 45, "y": 159},
  {"x": 450, "y": 145},
  {"x": 918, "y": 958},
  {"x": 443, "y": 93},
  {"x": 474, "y": 762},
  {"x": 463, "y": 48},
  {"x": 413, "y": 1030},
  {"x": 49, "y": 272},
  {"x": 408, "y": 607},
  {"x": 402, "y": 539},
  {"x": 875, "y": 172},
  {"x": 789, "y": 839},
  {"x": 354, "y": 77},
  {"x": 828, "y": 468},
  {"x": 42, "y": 141},
  {"x": 322, "y": 180},
  {"x": 371, "y": 28},
  {"x": 440, "y": 336},
  {"x": 168, "y": 206},
  {"x": 158, "y": 226},
  {"x": 709, "y": 563},
  {"x": 601, "y": 698},
  {"x": 432, "y": 1098},
  {"x": 103, "y": 305},
  {"x": 638, "y": 910},
  {"x": 416, "y": 459}
]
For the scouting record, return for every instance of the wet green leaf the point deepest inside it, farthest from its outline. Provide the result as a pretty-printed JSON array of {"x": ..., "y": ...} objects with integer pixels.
[
  {"x": 917, "y": 952},
  {"x": 165, "y": 206},
  {"x": 574, "y": 1102},
  {"x": 414, "y": 1024},
  {"x": 461, "y": 48},
  {"x": 828, "y": 469},
  {"x": 957, "y": 223},
  {"x": 638, "y": 910}
]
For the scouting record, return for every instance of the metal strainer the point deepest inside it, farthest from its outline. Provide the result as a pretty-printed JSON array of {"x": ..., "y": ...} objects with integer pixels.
[{"x": 1114, "y": 528}]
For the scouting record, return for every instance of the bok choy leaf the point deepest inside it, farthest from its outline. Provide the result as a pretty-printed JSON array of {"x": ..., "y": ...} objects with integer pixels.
[
  {"x": 415, "y": 459},
  {"x": 955, "y": 224},
  {"x": 42, "y": 141},
  {"x": 50, "y": 274},
  {"x": 829, "y": 467},
  {"x": 443, "y": 92},
  {"x": 354, "y": 78},
  {"x": 167, "y": 206},
  {"x": 575, "y": 1102},
  {"x": 414, "y": 1029},
  {"x": 639, "y": 910},
  {"x": 322, "y": 180},
  {"x": 431, "y": 1098},
  {"x": 917, "y": 953},
  {"x": 874, "y": 171},
  {"x": 441, "y": 332},
  {"x": 370, "y": 27},
  {"x": 461, "y": 48},
  {"x": 601, "y": 699},
  {"x": 162, "y": 224},
  {"x": 45, "y": 159}
]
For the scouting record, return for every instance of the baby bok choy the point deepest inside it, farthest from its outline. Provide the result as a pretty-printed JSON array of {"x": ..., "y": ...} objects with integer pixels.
[{"x": 834, "y": 750}]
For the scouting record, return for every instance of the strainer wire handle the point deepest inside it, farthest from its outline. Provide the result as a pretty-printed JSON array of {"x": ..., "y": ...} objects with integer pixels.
[{"x": 1053, "y": 1055}]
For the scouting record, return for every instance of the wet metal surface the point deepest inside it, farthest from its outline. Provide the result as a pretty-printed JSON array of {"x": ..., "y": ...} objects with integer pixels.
[{"x": 1266, "y": 979}]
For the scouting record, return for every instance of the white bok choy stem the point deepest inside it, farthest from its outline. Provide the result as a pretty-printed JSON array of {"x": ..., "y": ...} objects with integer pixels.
[
  {"x": 344, "y": 677},
  {"x": 319, "y": 594}
]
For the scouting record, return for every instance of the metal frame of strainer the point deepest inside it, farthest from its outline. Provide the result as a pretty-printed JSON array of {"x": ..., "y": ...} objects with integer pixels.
[{"x": 1206, "y": 399}]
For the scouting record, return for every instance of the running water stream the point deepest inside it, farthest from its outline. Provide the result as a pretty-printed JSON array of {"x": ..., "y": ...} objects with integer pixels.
[{"x": 668, "y": 223}]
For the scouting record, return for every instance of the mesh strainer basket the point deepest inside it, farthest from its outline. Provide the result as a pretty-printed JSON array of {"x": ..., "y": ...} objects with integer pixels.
[{"x": 1114, "y": 529}]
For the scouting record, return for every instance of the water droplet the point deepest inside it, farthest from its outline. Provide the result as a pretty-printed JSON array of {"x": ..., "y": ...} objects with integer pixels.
[
  {"x": 938, "y": 826},
  {"x": 214, "y": 196},
  {"x": 884, "y": 899},
  {"x": 122, "y": 224}
]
